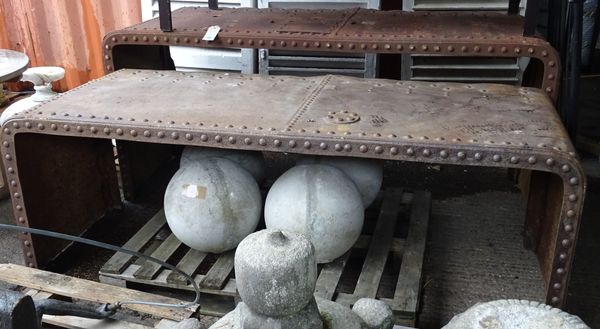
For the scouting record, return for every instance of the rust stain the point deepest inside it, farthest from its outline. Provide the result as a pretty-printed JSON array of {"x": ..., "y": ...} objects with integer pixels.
[
  {"x": 92, "y": 34},
  {"x": 4, "y": 37}
]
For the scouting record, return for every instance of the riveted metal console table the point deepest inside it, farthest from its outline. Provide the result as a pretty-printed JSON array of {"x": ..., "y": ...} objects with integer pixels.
[
  {"x": 60, "y": 164},
  {"x": 350, "y": 31}
]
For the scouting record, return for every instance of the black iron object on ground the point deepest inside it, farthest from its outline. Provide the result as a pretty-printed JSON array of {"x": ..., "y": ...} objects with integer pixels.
[{"x": 19, "y": 311}]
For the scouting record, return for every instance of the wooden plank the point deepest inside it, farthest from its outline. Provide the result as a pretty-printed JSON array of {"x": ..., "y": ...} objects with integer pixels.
[
  {"x": 161, "y": 281},
  {"x": 407, "y": 293},
  {"x": 217, "y": 275},
  {"x": 91, "y": 291},
  {"x": 149, "y": 269},
  {"x": 213, "y": 305},
  {"x": 36, "y": 294},
  {"x": 330, "y": 276},
  {"x": 73, "y": 322},
  {"x": 368, "y": 281},
  {"x": 188, "y": 264},
  {"x": 364, "y": 240},
  {"x": 119, "y": 261}
]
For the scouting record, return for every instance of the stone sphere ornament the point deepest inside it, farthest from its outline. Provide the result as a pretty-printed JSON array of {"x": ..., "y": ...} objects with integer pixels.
[
  {"x": 365, "y": 173},
  {"x": 212, "y": 204},
  {"x": 515, "y": 314},
  {"x": 320, "y": 202},
  {"x": 253, "y": 162}
]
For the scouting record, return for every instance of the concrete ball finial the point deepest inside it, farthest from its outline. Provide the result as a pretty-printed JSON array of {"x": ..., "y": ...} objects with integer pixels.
[
  {"x": 276, "y": 272},
  {"x": 322, "y": 203},
  {"x": 212, "y": 204}
]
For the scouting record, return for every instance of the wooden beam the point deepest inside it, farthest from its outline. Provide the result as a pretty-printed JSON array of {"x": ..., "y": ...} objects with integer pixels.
[{"x": 91, "y": 291}]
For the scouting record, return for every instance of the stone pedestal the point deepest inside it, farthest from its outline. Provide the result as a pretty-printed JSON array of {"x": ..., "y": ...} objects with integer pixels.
[{"x": 506, "y": 314}]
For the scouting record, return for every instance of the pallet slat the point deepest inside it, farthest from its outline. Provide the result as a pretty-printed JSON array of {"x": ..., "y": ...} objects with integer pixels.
[
  {"x": 407, "y": 293},
  {"x": 149, "y": 269},
  {"x": 217, "y": 275},
  {"x": 118, "y": 262},
  {"x": 188, "y": 264},
  {"x": 330, "y": 276},
  {"x": 338, "y": 280},
  {"x": 368, "y": 281},
  {"x": 91, "y": 291}
]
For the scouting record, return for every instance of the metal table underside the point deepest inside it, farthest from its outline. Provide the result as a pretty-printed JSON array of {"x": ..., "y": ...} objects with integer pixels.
[{"x": 60, "y": 162}]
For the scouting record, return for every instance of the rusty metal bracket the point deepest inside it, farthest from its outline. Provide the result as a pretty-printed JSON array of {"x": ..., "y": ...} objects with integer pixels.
[{"x": 164, "y": 15}]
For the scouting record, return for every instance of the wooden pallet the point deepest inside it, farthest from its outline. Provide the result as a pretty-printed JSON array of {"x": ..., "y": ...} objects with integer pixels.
[
  {"x": 43, "y": 285},
  {"x": 385, "y": 263}
]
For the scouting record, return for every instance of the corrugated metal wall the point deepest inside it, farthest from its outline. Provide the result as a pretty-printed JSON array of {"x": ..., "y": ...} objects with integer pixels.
[{"x": 65, "y": 33}]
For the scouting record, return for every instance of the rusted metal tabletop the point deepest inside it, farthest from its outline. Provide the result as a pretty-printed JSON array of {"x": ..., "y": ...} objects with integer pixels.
[
  {"x": 61, "y": 168},
  {"x": 349, "y": 30}
]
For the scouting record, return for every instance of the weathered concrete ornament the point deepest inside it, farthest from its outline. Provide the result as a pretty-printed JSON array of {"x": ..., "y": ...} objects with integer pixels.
[
  {"x": 375, "y": 313},
  {"x": 276, "y": 274},
  {"x": 212, "y": 204},
  {"x": 515, "y": 314},
  {"x": 42, "y": 78},
  {"x": 366, "y": 174},
  {"x": 253, "y": 162},
  {"x": 322, "y": 203},
  {"x": 189, "y": 324}
]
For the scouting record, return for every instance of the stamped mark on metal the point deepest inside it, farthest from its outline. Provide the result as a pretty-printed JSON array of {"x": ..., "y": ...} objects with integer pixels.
[
  {"x": 378, "y": 120},
  {"x": 342, "y": 117}
]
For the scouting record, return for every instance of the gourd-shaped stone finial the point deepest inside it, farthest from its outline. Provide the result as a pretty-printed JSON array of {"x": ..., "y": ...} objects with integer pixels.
[{"x": 275, "y": 272}]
